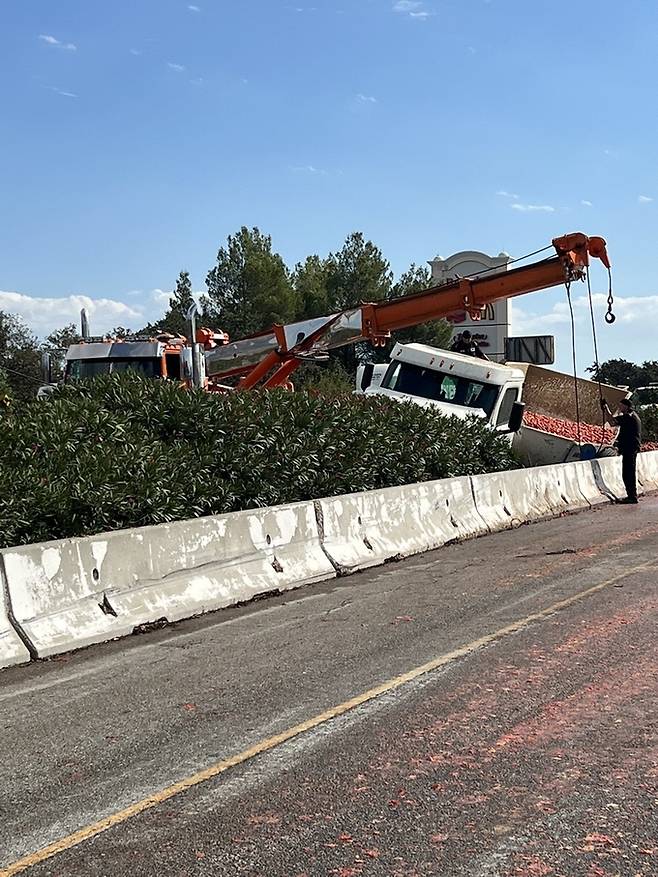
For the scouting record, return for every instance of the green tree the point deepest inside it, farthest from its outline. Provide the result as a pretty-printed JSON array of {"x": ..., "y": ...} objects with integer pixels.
[
  {"x": 437, "y": 333},
  {"x": 174, "y": 321},
  {"x": 56, "y": 345},
  {"x": 20, "y": 357},
  {"x": 62, "y": 338},
  {"x": 310, "y": 281},
  {"x": 6, "y": 392},
  {"x": 649, "y": 373},
  {"x": 357, "y": 273},
  {"x": 618, "y": 373},
  {"x": 249, "y": 288},
  {"x": 119, "y": 333},
  {"x": 179, "y": 304}
]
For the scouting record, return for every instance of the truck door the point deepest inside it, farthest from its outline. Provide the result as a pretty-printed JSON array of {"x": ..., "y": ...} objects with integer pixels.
[
  {"x": 173, "y": 363},
  {"x": 510, "y": 396}
]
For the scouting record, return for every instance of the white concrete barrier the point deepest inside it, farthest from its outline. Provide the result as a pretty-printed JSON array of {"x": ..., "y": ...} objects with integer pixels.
[
  {"x": 607, "y": 472},
  {"x": 12, "y": 649},
  {"x": 509, "y": 499},
  {"x": 647, "y": 470},
  {"x": 75, "y": 592},
  {"x": 587, "y": 482},
  {"x": 72, "y": 593},
  {"x": 568, "y": 483},
  {"x": 366, "y": 529}
]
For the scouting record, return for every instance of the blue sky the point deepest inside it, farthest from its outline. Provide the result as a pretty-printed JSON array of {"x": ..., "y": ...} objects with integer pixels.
[{"x": 137, "y": 135}]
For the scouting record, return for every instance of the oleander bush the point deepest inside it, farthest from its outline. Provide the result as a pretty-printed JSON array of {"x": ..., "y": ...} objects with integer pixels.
[{"x": 124, "y": 452}]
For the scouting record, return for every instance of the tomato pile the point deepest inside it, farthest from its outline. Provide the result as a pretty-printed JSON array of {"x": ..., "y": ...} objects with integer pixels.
[{"x": 568, "y": 429}]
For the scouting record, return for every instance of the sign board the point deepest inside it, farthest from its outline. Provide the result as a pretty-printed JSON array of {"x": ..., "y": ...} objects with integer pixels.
[
  {"x": 492, "y": 330},
  {"x": 537, "y": 349}
]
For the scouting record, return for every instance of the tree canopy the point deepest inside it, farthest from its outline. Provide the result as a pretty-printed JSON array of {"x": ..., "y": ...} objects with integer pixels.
[
  {"x": 174, "y": 321},
  {"x": 249, "y": 287},
  {"x": 622, "y": 373}
]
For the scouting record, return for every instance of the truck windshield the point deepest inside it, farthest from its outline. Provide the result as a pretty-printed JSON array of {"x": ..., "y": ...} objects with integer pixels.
[
  {"x": 78, "y": 369},
  {"x": 414, "y": 380}
]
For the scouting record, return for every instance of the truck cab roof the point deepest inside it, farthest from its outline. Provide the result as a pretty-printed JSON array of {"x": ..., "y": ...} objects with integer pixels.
[
  {"x": 456, "y": 363},
  {"x": 115, "y": 350}
]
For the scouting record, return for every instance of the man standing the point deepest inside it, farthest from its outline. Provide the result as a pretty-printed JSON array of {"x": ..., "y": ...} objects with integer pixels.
[
  {"x": 628, "y": 444},
  {"x": 466, "y": 344}
]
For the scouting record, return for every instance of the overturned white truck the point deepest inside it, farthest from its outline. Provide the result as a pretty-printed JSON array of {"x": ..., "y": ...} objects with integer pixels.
[{"x": 463, "y": 386}]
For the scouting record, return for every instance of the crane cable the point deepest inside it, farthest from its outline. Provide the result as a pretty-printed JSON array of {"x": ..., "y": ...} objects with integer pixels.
[
  {"x": 610, "y": 319},
  {"x": 510, "y": 262},
  {"x": 575, "y": 363},
  {"x": 597, "y": 364}
]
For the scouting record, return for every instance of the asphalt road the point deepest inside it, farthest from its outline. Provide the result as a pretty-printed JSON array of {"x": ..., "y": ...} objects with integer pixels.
[{"x": 522, "y": 742}]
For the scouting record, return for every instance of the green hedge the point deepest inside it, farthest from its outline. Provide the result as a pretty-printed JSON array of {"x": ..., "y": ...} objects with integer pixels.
[{"x": 125, "y": 452}]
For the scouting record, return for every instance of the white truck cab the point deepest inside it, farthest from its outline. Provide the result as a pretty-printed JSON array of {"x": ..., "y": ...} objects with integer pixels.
[{"x": 456, "y": 385}]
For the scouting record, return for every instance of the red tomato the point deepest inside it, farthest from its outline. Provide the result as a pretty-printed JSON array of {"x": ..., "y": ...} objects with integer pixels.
[{"x": 589, "y": 433}]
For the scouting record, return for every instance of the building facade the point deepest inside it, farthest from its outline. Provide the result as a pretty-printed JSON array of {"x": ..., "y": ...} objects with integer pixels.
[{"x": 492, "y": 330}]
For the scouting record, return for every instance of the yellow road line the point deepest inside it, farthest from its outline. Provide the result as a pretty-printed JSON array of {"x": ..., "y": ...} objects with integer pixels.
[{"x": 96, "y": 828}]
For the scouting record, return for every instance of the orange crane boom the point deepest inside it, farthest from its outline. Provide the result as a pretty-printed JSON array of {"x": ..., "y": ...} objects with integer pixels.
[{"x": 271, "y": 357}]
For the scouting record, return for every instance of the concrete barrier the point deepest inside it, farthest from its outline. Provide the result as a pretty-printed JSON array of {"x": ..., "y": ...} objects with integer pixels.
[
  {"x": 509, "y": 499},
  {"x": 69, "y": 594},
  {"x": 72, "y": 593},
  {"x": 366, "y": 529},
  {"x": 568, "y": 483},
  {"x": 587, "y": 483},
  {"x": 647, "y": 470},
  {"x": 12, "y": 649},
  {"x": 607, "y": 472}
]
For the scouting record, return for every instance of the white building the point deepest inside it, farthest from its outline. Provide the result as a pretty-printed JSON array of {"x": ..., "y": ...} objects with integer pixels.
[{"x": 492, "y": 330}]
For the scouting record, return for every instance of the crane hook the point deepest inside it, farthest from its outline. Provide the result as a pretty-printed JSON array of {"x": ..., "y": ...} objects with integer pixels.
[{"x": 610, "y": 317}]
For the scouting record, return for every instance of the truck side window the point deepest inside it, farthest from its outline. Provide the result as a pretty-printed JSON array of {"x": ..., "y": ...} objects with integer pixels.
[
  {"x": 173, "y": 366},
  {"x": 506, "y": 406}
]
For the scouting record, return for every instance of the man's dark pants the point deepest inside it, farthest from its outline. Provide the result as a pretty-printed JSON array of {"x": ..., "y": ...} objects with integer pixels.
[{"x": 628, "y": 473}]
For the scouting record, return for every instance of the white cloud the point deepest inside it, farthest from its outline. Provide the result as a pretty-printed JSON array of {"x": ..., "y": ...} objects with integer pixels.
[
  {"x": 644, "y": 199},
  {"x": 161, "y": 296},
  {"x": 637, "y": 310},
  {"x": 632, "y": 336},
  {"x": 407, "y": 5},
  {"x": 366, "y": 99},
  {"x": 194, "y": 8},
  {"x": 135, "y": 52},
  {"x": 310, "y": 169},
  {"x": 62, "y": 92},
  {"x": 586, "y": 203},
  {"x": 179, "y": 68},
  {"x": 504, "y": 194},
  {"x": 45, "y": 314},
  {"x": 533, "y": 208},
  {"x": 53, "y": 41},
  {"x": 412, "y": 8}
]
